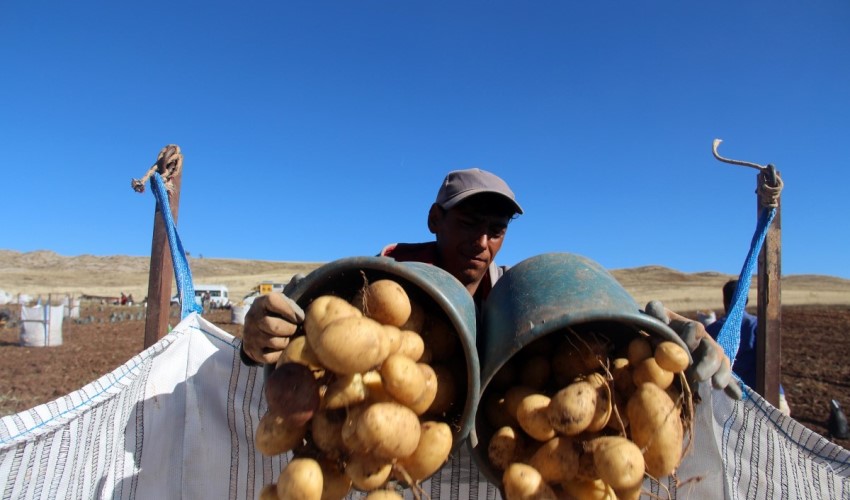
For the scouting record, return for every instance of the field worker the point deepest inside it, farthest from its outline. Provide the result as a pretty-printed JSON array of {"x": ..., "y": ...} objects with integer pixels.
[
  {"x": 469, "y": 220},
  {"x": 745, "y": 359}
]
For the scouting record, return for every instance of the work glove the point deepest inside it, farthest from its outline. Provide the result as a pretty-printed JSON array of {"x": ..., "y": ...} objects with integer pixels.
[
  {"x": 269, "y": 324},
  {"x": 709, "y": 360}
]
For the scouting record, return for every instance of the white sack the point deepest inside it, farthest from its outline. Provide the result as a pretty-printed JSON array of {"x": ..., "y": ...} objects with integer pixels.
[
  {"x": 238, "y": 313},
  {"x": 178, "y": 420},
  {"x": 41, "y": 325}
]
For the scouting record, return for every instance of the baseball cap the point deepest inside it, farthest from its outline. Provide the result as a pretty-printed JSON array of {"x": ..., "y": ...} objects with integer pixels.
[{"x": 461, "y": 184}]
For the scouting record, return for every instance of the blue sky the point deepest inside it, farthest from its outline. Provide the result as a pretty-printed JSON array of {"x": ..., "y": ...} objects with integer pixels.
[{"x": 318, "y": 130}]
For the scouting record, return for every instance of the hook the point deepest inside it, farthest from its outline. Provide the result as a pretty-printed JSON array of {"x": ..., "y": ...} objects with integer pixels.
[
  {"x": 733, "y": 162},
  {"x": 769, "y": 170}
]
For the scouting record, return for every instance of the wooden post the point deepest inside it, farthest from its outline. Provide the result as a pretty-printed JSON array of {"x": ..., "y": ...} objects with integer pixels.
[
  {"x": 161, "y": 270},
  {"x": 768, "y": 357}
]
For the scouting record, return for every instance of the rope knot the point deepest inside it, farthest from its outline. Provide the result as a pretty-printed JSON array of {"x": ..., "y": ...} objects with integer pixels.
[
  {"x": 768, "y": 194},
  {"x": 168, "y": 164}
]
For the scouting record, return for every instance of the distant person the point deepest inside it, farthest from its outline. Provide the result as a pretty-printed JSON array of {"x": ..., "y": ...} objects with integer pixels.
[{"x": 745, "y": 361}]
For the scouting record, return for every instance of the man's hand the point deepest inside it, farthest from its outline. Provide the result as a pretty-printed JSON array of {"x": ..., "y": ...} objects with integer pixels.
[
  {"x": 270, "y": 321},
  {"x": 709, "y": 360}
]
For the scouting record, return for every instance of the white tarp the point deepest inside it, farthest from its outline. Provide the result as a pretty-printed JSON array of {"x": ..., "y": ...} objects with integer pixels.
[
  {"x": 41, "y": 325},
  {"x": 178, "y": 420},
  {"x": 5, "y": 298}
]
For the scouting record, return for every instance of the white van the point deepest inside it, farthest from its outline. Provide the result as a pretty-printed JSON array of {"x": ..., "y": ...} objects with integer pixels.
[{"x": 219, "y": 295}]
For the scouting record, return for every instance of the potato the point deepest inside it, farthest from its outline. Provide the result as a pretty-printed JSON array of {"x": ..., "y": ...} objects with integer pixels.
[
  {"x": 523, "y": 482},
  {"x": 656, "y": 427},
  {"x": 588, "y": 490},
  {"x": 572, "y": 408},
  {"x": 275, "y": 434},
  {"x": 649, "y": 371},
  {"x": 349, "y": 345},
  {"x": 386, "y": 302},
  {"x": 622, "y": 374},
  {"x": 514, "y": 396},
  {"x": 412, "y": 345},
  {"x": 323, "y": 311},
  {"x": 671, "y": 357},
  {"x": 505, "y": 447},
  {"x": 575, "y": 357},
  {"x": 429, "y": 393},
  {"x": 639, "y": 349},
  {"x": 603, "y": 408},
  {"x": 556, "y": 460},
  {"x": 618, "y": 461},
  {"x": 440, "y": 338},
  {"x": 326, "y": 431},
  {"x": 383, "y": 495},
  {"x": 533, "y": 417},
  {"x": 367, "y": 472},
  {"x": 269, "y": 492},
  {"x": 336, "y": 484},
  {"x": 301, "y": 479},
  {"x": 375, "y": 392},
  {"x": 403, "y": 379},
  {"x": 393, "y": 337},
  {"x": 586, "y": 470},
  {"x": 435, "y": 444},
  {"x": 298, "y": 351},
  {"x": 388, "y": 430},
  {"x": 447, "y": 391},
  {"x": 292, "y": 391},
  {"x": 567, "y": 363},
  {"x": 348, "y": 434},
  {"x": 417, "y": 318},
  {"x": 344, "y": 391}
]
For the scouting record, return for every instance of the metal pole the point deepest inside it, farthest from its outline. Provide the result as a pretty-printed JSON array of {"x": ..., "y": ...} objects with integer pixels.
[
  {"x": 768, "y": 351},
  {"x": 161, "y": 270}
]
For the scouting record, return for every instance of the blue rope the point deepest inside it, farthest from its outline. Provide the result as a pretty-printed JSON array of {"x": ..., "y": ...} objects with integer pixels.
[
  {"x": 729, "y": 337},
  {"x": 182, "y": 273}
]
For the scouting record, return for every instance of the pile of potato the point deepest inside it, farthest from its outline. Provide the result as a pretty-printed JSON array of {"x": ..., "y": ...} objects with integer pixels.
[
  {"x": 364, "y": 398},
  {"x": 578, "y": 416}
]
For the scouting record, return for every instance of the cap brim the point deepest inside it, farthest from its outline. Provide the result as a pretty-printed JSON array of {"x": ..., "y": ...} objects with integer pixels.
[{"x": 453, "y": 201}]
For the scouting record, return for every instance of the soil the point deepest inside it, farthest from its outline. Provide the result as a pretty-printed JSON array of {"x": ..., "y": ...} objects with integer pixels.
[{"x": 815, "y": 343}]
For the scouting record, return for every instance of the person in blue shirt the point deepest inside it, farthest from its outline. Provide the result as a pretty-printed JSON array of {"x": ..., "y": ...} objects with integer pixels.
[{"x": 745, "y": 361}]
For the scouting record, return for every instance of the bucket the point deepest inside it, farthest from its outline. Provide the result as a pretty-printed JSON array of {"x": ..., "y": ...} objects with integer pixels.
[
  {"x": 548, "y": 294},
  {"x": 430, "y": 286}
]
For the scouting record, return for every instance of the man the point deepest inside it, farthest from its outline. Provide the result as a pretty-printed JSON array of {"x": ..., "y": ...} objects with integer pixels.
[
  {"x": 469, "y": 220},
  {"x": 745, "y": 359}
]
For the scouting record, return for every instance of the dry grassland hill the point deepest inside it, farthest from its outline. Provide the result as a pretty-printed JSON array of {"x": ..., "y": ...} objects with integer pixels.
[{"x": 47, "y": 273}]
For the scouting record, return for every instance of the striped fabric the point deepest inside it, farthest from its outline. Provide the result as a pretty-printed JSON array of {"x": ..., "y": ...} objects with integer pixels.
[{"x": 177, "y": 421}]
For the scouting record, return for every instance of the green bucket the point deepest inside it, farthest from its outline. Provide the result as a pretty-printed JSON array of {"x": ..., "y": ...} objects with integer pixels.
[
  {"x": 542, "y": 295},
  {"x": 432, "y": 287}
]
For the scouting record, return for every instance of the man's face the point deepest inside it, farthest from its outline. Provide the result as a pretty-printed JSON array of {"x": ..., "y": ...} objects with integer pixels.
[{"x": 469, "y": 236}]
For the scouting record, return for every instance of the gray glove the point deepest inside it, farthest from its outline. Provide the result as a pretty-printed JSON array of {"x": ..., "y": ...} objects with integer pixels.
[
  {"x": 709, "y": 360},
  {"x": 270, "y": 322}
]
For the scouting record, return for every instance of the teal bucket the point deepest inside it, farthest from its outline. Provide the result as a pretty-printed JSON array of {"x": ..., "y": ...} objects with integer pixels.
[
  {"x": 545, "y": 294},
  {"x": 434, "y": 288}
]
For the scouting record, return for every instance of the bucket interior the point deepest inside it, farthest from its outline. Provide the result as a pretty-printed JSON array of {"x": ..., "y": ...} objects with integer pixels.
[{"x": 522, "y": 368}]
